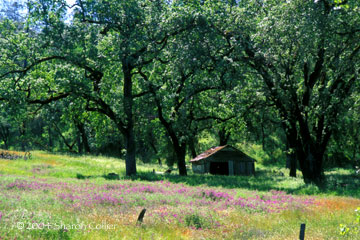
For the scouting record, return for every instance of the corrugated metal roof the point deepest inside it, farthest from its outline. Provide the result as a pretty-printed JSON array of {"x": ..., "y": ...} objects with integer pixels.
[
  {"x": 208, "y": 153},
  {"x": 214, "y": 150}
]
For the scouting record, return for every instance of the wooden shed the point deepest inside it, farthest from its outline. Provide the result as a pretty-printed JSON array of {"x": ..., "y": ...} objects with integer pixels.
[{"x": 223, "y": 160}]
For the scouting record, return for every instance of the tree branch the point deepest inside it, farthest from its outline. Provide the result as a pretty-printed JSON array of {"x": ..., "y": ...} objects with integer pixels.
[
  {"x": 49, "y": 100},
  {"x": 214, "y": 118},
  {"x": 106, "y": 110}
]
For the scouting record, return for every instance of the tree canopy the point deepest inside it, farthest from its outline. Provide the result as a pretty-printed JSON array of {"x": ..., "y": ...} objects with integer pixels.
[{"x": 159, "y": 75}]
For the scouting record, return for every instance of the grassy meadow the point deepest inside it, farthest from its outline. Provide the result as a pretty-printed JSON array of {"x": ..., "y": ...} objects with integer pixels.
[{"x": 54, "y": 196}]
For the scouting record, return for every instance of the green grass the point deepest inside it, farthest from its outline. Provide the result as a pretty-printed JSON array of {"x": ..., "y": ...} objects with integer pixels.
[
  {"x": 335, "y": 202},
  {"x": 340, "y": 182}
]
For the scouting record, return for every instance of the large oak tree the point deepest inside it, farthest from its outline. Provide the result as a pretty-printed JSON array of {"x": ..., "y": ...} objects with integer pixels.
[{"x": 307, "y": 55}]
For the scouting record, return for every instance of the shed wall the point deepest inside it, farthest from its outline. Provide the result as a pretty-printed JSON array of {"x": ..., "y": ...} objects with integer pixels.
[
  {"x": 198, "y": 168},
  {"x": 244, "y": 168},
  {"x": 239, "y": 163}
]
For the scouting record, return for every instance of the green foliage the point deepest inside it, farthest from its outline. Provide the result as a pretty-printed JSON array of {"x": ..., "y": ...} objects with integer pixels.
[
  {"x": 178, "y": 75},
  {"x": 194, "y": 220},
  {"x": 256, "y": 151}
]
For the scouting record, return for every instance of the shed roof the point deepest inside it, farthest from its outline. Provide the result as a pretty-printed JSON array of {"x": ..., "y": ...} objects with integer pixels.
[{"x": 214, "y": 150}]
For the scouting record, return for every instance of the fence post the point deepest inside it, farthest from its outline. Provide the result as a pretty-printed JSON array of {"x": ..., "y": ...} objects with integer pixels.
[
  {"x": 141, "y": 217},
  {"x": 302, "y": 231}
]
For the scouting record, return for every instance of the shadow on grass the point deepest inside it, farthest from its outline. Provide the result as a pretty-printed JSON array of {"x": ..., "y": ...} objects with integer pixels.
[
  {"x": 264, "y": 180},
  {"x": 336, "y": 184},
  {"x": 342, "y": 184},
  {"x": 109, "y": 176}
]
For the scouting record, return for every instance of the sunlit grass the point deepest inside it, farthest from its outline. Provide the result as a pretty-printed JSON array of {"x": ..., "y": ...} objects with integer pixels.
[
  {"x": 341, "y": 182},
  {"x": 36, "y": 186}
]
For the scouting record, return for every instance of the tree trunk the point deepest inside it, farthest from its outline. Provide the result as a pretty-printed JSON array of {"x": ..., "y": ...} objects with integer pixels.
[
  {"x": 84, "y": 139},
  {"x": 152, "y": 145},
  {"x": 130, "y": 153},
  {"x": 263, "y": 136},
  {"x": 291, "y": 160},
  {"x": 50, "y": 140},
  {"x": 22, "y": 136},
  {"x": 5, "y": 135},
  {"x": 311, "y": 161},
  {"x": 180, "y": 152},
  {"x": 130, "y": 160},
  {"x": 79, "y": 143},
  {"x": 179, "y": 148},
  {"x": 85, "y": 143},
  {"x": 310, "y": 150},
  {"x": 192, "y": 147},
  {"x": 223, "y": 136},
  {"x": 292, "y": 142},
  {"x": 6, "y": 145}
]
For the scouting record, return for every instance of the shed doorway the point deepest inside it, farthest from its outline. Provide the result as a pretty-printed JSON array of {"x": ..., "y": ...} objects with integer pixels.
[{"x": 219, "y": 168}]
